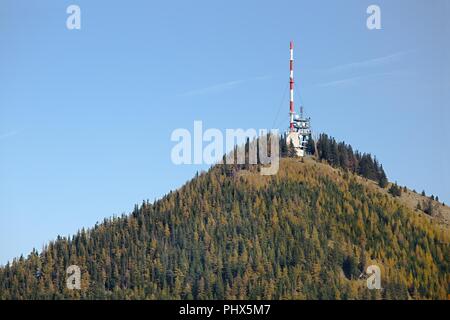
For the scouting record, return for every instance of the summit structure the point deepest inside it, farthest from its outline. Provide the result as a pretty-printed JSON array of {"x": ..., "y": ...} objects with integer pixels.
[{"x": 299, "y": 126}]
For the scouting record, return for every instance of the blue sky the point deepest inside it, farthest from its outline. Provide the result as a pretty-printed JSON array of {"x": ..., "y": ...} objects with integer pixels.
[{"x": 86, "y": 115}]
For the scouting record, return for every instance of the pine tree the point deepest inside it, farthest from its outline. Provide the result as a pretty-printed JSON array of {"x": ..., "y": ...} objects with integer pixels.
[
  {"x": 429, "y": 208},
  {"x": 395, "y": 190},
  {"x": 382, "y": 179},
  {"x": 310, "y": 147},
  {"x": 291, "y": 150}
]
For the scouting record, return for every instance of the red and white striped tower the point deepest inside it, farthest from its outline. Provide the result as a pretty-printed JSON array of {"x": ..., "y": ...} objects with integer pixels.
[{"x": 291, "y": 86}]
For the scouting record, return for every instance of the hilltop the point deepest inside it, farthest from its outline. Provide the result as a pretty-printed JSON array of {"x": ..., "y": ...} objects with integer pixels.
[{"x": 308, "y": 232}]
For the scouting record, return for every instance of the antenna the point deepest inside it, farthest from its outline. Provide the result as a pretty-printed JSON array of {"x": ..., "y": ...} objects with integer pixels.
[
  {"x": 291, "y": 86},
  {"x": 299, "y": 127}
]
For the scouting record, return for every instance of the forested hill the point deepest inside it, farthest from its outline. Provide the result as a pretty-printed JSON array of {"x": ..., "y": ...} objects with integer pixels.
[{"x": 308, "y": 232}]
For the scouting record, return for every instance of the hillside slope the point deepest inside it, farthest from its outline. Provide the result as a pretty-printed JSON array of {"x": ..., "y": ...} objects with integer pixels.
[{"x": 306, "y": 233}]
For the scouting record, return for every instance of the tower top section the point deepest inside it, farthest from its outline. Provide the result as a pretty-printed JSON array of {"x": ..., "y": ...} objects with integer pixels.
[{"x": 291, "y": 87}]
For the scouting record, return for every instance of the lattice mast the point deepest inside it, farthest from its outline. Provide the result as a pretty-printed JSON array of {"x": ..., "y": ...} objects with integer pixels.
[
  {"x": 291, "y": 87},
  {"x": 299, "y": 127}
]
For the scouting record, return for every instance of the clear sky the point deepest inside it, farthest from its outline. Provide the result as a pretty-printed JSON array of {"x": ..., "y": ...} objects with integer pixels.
[{"x": 86, "y": 115}]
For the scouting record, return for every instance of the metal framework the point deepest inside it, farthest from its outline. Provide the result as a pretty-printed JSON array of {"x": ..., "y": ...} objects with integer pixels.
[{"x": 299, "y": 126}]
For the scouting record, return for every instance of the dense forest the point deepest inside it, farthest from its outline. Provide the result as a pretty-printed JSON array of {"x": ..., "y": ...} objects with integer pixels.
[{"x": 308, "y": 232}]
